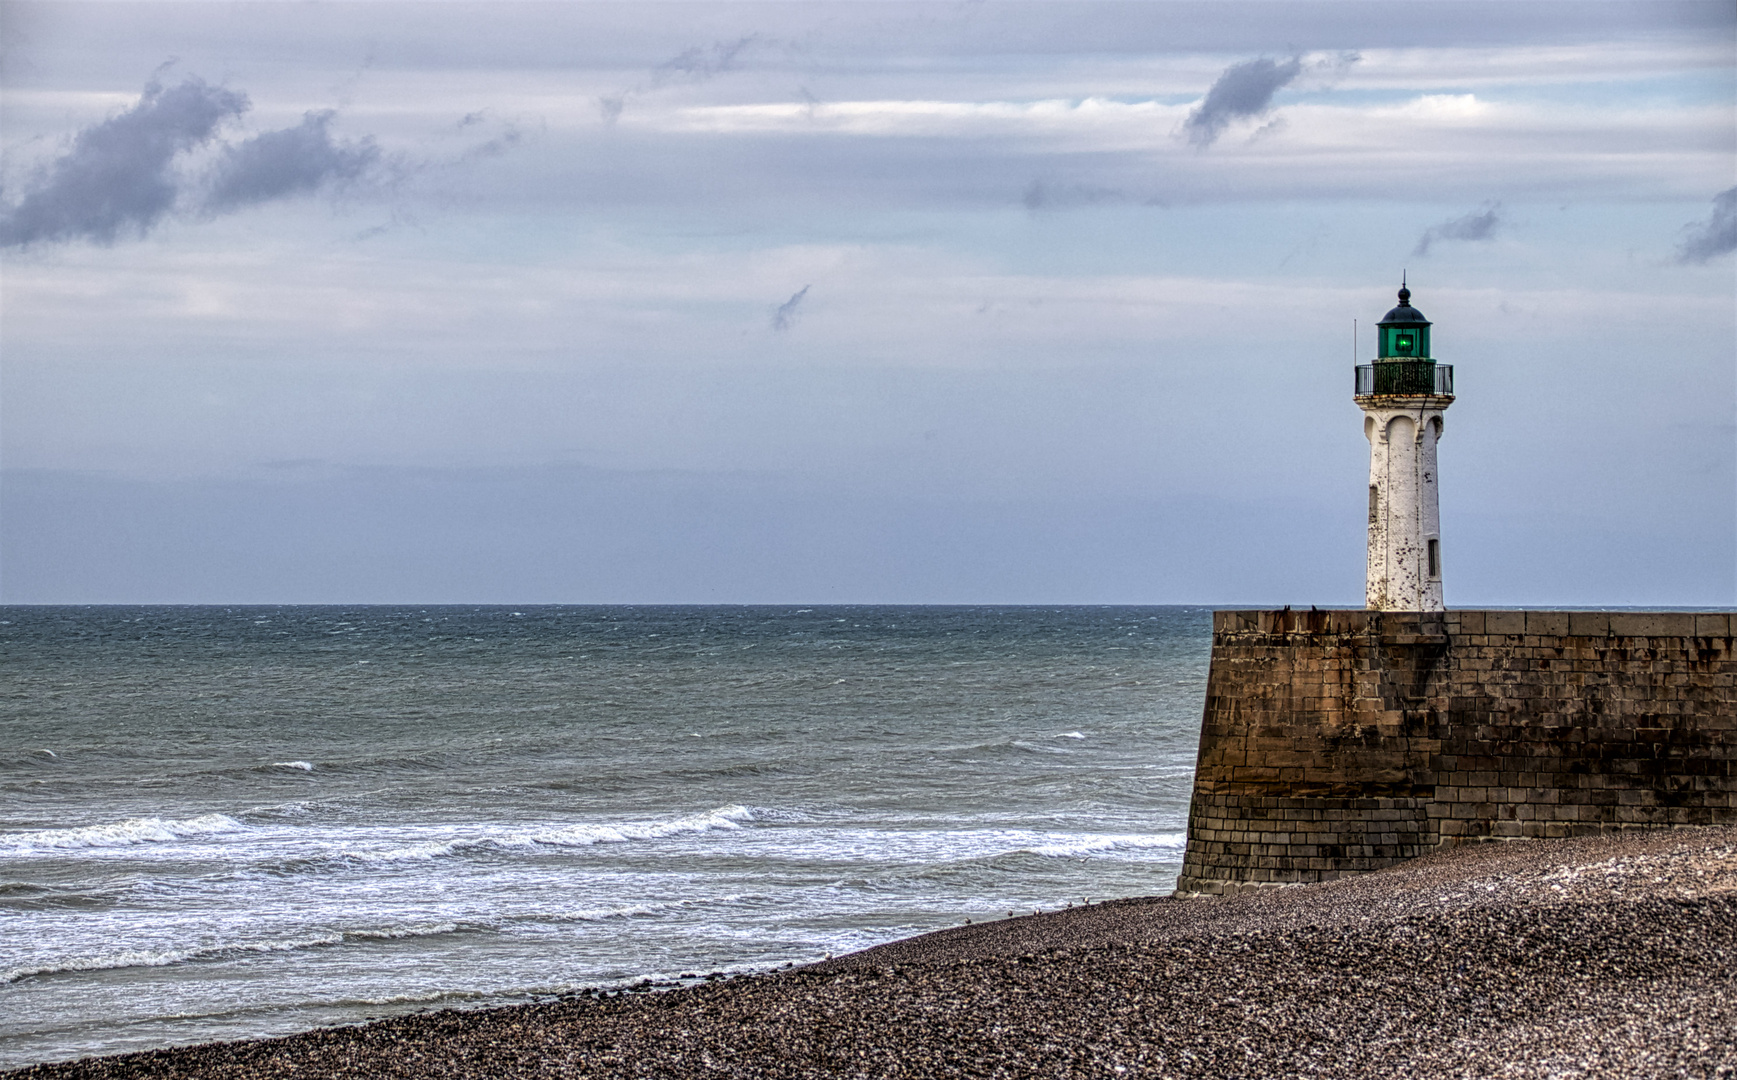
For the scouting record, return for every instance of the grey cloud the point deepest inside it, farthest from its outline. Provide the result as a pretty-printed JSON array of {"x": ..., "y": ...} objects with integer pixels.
[
  {"x": 1269, "y": 129},
  {"x": 692, "y": 65},
  {"x": 785, "y": 317},
  {"x": 509, "y": 137},
  {"x": 290, "y": 161},
  {"x": 1334, "y": 66},
  {"x": 701, "y": 62},
  {"x": 120, "y": 177},
  {"x": 1706, "y": 240},
  {"x": 1477, "y": 225},
  {"x": 1243, "y": 90},
  {"x": 116, "y": 178},
  {"x": 1051, "y": 196}
]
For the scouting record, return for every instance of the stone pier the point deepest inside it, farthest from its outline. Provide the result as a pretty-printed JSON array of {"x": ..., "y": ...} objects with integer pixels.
[{"x": 1336, "y": 742}]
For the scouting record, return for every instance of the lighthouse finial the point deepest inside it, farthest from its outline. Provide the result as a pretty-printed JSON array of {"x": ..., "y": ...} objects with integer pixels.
[{"x": 1404, "y": 292}]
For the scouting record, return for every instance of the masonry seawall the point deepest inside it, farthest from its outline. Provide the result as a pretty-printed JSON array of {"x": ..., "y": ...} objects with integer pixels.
[{"x": 1337, "y": 742}]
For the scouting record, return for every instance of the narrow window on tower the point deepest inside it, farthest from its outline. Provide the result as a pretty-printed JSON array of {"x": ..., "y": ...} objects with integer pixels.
[
  {"x": 1374, "y": 503},
  {"x": 1434, "y": 558}
]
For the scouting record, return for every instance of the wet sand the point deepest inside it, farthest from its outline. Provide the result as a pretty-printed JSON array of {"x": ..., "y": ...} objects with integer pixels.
[{"x": 1596, "y": 957}]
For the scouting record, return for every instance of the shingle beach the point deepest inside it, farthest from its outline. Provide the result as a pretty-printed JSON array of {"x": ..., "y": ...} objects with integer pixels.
[{"x": 1593, "y": 957}]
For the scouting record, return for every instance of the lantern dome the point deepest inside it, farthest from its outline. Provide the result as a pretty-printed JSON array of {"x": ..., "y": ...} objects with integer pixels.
[{"x": 1404, "y": 314}]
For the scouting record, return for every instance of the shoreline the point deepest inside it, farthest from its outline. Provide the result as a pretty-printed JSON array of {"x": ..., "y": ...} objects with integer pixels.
[{"x": 1598, "y": 956}]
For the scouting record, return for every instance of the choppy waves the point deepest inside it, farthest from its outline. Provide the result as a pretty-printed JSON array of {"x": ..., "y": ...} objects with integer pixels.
[
  {"x": 126, "y": 833},
  {"x": 133, "y": 958},
  {"x": 309, "y": 846},
  {"x": 562, "y": 836},
  {"x": 1087, "y": 846},
  {"x": 229, "y": 815}
]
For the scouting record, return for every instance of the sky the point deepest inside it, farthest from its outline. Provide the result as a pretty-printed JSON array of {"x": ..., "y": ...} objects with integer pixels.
[{"x": 990, "y": 303}]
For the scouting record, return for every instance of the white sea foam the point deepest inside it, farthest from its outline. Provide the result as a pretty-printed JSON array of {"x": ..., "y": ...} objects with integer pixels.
[
  {"x": 294, "y": 808},
  {"x": 725, "y": 817},
  {"x": 1071, "y": 735},
  {"x": 119, "y": 834},
  {"x": 133, "y": 958},
  {"x": 1095, "y": 845},
  {"x": 304, "y": 766},
  {"x": 579, "y": 835},
  {"x": 630, "y": 911},
  {"x": 1038, "y": 748}
]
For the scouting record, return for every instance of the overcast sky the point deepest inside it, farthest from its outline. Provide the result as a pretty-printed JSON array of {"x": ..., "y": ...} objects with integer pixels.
[{"x": 857, "y": 302}]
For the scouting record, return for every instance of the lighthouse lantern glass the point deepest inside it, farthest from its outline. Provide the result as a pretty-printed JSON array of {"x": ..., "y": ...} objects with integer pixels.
[{"x": 1406, "y": 341}]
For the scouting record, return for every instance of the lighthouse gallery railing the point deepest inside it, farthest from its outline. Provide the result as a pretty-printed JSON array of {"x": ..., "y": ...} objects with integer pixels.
[{"x": 1405, "y": 377}]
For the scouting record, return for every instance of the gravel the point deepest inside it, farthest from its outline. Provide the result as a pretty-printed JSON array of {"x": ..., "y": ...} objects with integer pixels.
[{"x": 1595, "y": 957}]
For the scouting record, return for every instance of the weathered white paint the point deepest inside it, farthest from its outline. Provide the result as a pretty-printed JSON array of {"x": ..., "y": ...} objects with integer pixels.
[{"x": 1404, "y": 511}]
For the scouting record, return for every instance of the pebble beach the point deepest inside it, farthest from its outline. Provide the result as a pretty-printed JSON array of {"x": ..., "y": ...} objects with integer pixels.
[{"x": 1594, "y": 957}]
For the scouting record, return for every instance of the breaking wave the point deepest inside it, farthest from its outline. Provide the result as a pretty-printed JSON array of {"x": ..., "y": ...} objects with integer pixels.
[
  {"x": 584, "y": 835},
  {"x": 119, "y": 834}
]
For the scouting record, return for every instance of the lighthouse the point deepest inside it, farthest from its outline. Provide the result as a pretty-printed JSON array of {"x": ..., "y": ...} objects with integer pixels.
[{"x": 1403, "y": 395}]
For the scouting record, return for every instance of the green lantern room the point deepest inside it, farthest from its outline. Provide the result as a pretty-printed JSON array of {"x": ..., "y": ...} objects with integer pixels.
[
  {"x": 1403, "y": 365},
  {"x": 1403, "y": 332}
]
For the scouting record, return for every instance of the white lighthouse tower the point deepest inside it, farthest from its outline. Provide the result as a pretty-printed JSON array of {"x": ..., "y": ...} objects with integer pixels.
[{"x": 1403, "y": 395}]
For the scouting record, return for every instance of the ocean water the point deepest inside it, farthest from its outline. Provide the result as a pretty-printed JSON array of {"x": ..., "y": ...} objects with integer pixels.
[{"x": 241, "y": 821}]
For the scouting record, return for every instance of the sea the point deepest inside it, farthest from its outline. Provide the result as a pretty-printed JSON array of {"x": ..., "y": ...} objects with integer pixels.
[{"x": 232, "y": 822}]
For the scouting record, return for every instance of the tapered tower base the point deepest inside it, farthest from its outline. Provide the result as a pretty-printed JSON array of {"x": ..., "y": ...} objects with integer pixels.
[{"x": 1404, "y": 512}]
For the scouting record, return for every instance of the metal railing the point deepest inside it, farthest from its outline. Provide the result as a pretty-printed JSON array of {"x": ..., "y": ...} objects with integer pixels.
[{"x": 1405, "y": 377}]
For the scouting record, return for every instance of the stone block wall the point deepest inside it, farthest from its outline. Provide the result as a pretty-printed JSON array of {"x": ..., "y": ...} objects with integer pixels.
[{"x": 1336, "y": 742}]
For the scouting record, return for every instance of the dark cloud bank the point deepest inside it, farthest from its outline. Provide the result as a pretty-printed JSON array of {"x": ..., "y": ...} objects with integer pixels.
[{"x": 120, "y": 176}]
